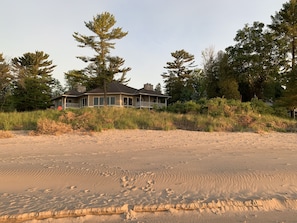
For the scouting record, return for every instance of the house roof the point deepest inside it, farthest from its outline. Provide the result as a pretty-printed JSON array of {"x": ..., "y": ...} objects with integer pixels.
[
  {"x": 144, "y": 91},
  {"x": 73, "y": 92},
  {"x": 114, "y": 87}
]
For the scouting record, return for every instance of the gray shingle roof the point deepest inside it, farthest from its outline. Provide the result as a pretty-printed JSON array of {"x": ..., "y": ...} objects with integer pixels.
[
  {"x": 115, "y": 87},
  {"x": 73, "y": 92},
  {"x": 144, "y": 91}
]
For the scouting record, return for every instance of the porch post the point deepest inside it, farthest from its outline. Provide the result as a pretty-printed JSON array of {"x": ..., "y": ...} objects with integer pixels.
[
  {"x": 64, "y": 104},
  {"x": 140, "y": 101}
]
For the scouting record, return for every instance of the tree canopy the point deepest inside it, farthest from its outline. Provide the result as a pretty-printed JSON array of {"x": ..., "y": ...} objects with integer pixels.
[
  {"x": 102, "y": 67},
  {"x": 284, "y": 30},
  {"x": 32, "y": 81},
  {"x": 5, "y": 82},
  {"x": 178, "y": 81},
  {"x": 261, "y": 64}
]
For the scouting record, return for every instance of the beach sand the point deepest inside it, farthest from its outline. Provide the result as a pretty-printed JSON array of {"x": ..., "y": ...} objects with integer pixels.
[{"x": 149, "y": 176}]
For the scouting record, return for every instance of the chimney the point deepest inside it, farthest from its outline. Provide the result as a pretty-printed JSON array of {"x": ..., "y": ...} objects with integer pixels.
[
  {"x": 81, "y": 88},
  {"x": 149, "y": 87}
]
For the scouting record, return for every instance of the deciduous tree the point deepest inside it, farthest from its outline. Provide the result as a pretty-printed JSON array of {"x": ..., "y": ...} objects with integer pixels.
[
  {"x": 284, "y": 29},
  {"x": 253, "y": 60},
  {"x": 219, "y": 78}
]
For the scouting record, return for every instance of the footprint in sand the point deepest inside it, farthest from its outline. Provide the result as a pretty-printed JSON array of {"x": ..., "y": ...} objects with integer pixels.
[
  {"x": 47, "y": 190},
  {"x": 124, "y": 181},
  {"x": 128, "y": 183},
  {"x": 33, "y": 189},
  {"x": 72, "y": 187},
  {"x": 149, "y": 186},
  {"x": 169, "y": 192}
]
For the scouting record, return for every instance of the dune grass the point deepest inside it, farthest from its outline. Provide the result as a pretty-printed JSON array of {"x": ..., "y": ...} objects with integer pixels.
[
  {"x": 5, "y": 134},
  {"x": 207, "y": 115}
]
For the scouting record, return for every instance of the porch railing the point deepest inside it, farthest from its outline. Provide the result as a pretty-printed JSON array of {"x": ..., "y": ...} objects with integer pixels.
[
  {"x": 72, "y": 105},
  {"x": 146, "y": 104}
]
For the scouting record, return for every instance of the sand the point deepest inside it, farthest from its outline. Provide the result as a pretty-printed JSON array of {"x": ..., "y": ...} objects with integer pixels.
[{"x": 149, "y": 176}]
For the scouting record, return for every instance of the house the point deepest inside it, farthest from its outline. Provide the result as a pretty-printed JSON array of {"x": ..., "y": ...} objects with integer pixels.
[{"x": 118, "y": 95}]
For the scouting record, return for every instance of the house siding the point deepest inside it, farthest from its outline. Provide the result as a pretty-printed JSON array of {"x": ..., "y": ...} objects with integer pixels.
[{"x": 117, "y": 100}]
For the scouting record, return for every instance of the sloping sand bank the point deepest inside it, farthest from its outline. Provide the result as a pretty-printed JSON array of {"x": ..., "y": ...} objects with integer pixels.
[{"x": 149, "y": 176}]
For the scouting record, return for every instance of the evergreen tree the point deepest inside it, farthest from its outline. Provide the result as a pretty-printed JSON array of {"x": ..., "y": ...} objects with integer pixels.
[
  {"x": 56, "y": 88},
  {"x": 177, "y": 77},
  {"x": 158, "y": 88},
  {"x": 75, "y": 78},
  {"x": 102, "y": 66},
  {"x": 32, "y": 81},
  {"x": 5, "y": 83}
]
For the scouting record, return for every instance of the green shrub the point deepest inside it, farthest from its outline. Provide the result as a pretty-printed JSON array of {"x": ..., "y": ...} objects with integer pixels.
[
  {"x": 218, "y": 114},
  {"x": 261, "y": 107}
]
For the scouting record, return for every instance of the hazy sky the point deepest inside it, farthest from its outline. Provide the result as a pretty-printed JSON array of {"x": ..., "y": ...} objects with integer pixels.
[{"x": 156, "y": 28}]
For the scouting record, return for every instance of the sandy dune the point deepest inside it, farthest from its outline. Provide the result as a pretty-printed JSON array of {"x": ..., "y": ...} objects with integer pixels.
[{"x": 149, "y": 176}]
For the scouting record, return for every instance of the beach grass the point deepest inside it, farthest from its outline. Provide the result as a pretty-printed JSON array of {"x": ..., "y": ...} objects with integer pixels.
[{"x": 205, "y": 115}]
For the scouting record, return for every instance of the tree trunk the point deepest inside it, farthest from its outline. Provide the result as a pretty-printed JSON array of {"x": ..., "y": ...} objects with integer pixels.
[
  {"x": 105, "y": 92},
  {"x": 293, "y": 53}
]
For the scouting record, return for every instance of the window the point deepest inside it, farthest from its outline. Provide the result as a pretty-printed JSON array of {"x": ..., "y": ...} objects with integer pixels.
[
  {"x": 128, "y": 101},
  {"x": 96, "y": 101},
  {"x": 112, "y": 101},
  {"x": 84, "y": 102},
  {"x": 101, "y": 101},
  {"x": 109, "y": 101}
]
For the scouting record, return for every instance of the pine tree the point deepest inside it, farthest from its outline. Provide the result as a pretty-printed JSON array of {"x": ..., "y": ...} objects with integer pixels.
[
  {"x": 102, "y": 66},
  {"x": 178, "y": 75},
  {"x": 32, "y": 81},
  {"x": 5, "y": 82}
]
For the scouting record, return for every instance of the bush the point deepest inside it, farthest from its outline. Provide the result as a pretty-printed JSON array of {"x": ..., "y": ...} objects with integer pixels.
[
  {"x": 218, "y": 114},
  {"x": 5, "y": 134},
  {"x": 261, "y": 107},
  {"x": 50, "y": 127}
]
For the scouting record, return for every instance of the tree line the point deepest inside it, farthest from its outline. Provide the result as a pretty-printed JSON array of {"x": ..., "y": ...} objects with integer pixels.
[{"x": 261, "y": 64}]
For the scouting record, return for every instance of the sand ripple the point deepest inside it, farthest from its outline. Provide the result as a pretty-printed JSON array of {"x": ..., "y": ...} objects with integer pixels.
[{"x": 130, "y": 172}]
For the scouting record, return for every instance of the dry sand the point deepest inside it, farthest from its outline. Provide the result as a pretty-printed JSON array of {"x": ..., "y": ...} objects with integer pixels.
[{"x": 149, "y": 176}]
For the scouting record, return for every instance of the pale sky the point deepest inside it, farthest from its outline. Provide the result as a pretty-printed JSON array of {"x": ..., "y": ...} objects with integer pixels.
[{"x": 156, "y": 28}]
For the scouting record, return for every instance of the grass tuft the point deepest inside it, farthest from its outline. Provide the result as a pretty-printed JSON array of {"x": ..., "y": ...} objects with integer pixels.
[
  {"x": 5, "y": 134},
  {"x": 51, "y": 127}
]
